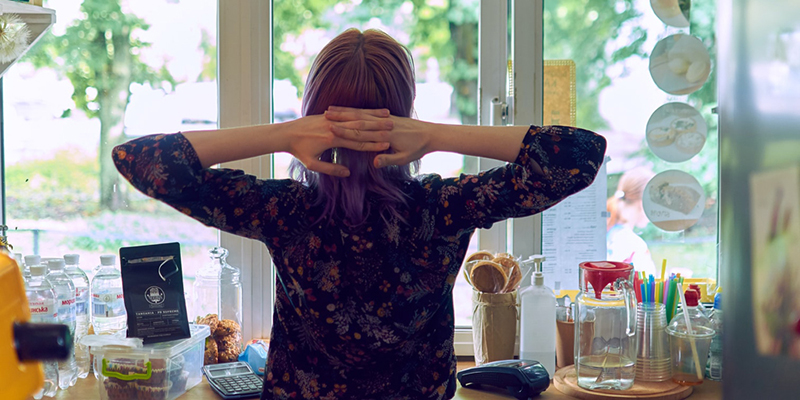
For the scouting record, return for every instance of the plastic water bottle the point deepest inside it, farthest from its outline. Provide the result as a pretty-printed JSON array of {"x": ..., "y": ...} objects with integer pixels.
[
  {"x": 42, "y": 302},
  {"x": 81, "y": 282},
  {"x": 29, "y": 261},
  {"x": 537, "y": 335},
  {"x": 108, "y": 305},
  {"x": 714, "y": 365},
  {"x": 65, "y": 300}
]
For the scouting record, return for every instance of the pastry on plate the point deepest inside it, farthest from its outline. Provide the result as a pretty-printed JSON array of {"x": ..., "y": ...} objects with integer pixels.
[
  {"x": 690, "y": 142},
  {"x": 682, "y": 199},
  {"x": 660, "y": 137},
  {"x": 683, "y": 125}
]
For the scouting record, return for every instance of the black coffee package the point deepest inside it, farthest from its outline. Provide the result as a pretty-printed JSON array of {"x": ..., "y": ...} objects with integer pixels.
[{"x": 152, "y": 285}]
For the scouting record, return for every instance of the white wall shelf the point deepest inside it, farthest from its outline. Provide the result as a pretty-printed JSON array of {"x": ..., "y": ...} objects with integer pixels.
[{"x": 38, "y": 19}]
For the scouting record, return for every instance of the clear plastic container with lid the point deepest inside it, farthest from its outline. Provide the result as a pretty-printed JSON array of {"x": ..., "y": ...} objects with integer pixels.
[{"x": 126, "y": 369}]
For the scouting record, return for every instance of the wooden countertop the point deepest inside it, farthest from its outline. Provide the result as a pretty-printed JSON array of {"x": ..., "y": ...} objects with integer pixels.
[{"x": 86, "y": 389}]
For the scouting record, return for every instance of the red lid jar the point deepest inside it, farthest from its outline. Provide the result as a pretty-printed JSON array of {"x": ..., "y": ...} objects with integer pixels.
[{"x": 600, "y": 274}]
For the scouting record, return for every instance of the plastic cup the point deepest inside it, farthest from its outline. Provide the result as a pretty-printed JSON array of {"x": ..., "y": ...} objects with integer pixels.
[
  {"x": 653, "y": 351},
  {"x": 684, "y": 369}
]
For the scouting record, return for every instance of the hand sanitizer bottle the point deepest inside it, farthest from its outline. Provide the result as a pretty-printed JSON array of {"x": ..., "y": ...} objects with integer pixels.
[{"x": 537, "y": 332}]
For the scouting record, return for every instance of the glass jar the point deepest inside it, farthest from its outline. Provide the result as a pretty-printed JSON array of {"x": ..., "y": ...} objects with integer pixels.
[
  {"x": 230, "y": 291},
  {"x": 205, "y": 290},
  {"x": 605, "y": 326}
]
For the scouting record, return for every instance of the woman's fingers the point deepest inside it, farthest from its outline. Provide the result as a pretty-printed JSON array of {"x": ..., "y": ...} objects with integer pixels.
[
  {"x": 356, "y": 115},
  {"x": 327, "y": 168},
  {"x": 360, "y": 145},
  {"x": 359, "y": 112},
  {"x": 362, "y": 132},
  {"x": 385, "y": 160}
]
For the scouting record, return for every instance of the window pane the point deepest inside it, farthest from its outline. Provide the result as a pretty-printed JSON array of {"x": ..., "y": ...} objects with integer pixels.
[
  {"x": 443, "y": 39},
  {"x": 617, "y": 97},
  {"x": 101, "y": 82}
]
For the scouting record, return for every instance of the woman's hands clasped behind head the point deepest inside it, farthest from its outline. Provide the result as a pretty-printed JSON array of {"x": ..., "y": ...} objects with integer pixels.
[
  {"x": 313, "y": 135},
  {"x": 409, "y": 139}
]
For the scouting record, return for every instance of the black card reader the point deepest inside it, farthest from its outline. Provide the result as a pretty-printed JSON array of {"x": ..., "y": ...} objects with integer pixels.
[{"x": 522, "y": 378}]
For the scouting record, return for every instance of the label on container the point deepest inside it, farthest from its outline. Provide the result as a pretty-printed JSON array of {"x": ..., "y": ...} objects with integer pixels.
[
  {"x": 108, "y": 304},
  {"x": 43, "y": 309}
]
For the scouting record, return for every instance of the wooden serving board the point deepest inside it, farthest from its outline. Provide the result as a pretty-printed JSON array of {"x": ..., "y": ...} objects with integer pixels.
[{"x": 566, "y": 381}]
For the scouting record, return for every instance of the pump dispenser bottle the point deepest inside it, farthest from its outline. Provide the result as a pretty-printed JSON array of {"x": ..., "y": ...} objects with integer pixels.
[{"x": 537, "y": 332}]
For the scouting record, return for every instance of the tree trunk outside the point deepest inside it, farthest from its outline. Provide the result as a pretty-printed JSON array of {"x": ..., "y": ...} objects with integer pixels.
[
  {"x": 113, "y": 103},
  {"x": 465, "y": 90}
]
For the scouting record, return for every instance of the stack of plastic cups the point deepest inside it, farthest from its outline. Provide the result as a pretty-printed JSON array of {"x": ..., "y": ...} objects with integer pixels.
[{"x": 653, "y": 354}]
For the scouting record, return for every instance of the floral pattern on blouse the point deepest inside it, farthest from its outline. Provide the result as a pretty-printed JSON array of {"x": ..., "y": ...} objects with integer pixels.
[{"x": 366, "y": 312}]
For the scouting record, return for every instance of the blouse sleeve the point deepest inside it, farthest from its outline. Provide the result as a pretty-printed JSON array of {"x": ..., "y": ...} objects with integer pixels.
[
  {"x": 166, "y": 168},
  {"x": 570, "y": 158}
]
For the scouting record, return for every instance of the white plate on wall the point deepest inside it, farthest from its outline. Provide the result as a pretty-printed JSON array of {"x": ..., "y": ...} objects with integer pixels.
[
  {"x": 673, "y": 200},
  {"x": 680, "y": 64},
  {"x": 676, "y": 132},
  {"x": 672, "y": 12}
]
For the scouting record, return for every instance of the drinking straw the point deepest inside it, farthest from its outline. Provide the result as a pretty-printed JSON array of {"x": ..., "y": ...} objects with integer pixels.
[
  {"x": 690, "y": 333},
  {"x": 663, "y": 267},
  {"x": 670, "y": 305},
  {"x": 637, "y": 288}
]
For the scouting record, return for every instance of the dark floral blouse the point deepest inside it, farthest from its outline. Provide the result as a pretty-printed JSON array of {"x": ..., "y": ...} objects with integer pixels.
[{"x": 363, "y": 313}]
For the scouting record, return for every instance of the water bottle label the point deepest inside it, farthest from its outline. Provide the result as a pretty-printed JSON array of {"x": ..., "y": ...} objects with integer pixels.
[
  {"x": 80, "y": 308},
  {"x": 43, "y": 309},
  {"x": 108, "y": 305}
]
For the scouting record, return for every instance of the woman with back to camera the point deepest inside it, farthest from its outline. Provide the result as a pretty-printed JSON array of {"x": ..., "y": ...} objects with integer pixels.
[{"x": 366, "y": 254}]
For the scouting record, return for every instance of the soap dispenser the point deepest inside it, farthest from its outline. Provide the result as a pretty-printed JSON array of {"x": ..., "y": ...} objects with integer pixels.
[{"x": 537, "y": 332}]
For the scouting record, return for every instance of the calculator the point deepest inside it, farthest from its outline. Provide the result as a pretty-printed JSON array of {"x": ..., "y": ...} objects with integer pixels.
[{"x": 234, "y": 380}]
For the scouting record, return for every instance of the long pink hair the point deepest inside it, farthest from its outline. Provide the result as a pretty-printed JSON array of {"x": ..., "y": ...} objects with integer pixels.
[{"x": 361, "y": 70}]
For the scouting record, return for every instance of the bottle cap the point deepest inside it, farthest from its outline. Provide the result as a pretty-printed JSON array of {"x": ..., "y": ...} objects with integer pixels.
[
  {"x": 72, "y": 259},
  {"x": 55, "y": 264},
  {"x": 692, "y": 297},
  {"x": 108, "y": 259},
  {"x": 38, "y": 270},
  {"x": 32, "y": 260},
  {"x": 718, "y": 300},
  {"x": 42, "y": 341}
]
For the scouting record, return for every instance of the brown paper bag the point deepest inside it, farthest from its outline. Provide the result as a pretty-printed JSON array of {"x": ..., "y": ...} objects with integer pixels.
[
  {"x": 565, "y": 343},
  {"x": 494, "y": 326}
]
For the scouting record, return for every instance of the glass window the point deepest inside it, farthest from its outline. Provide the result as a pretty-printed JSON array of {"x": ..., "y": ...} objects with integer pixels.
[
  {"x": 443, "y": 39},
  {"x": 615, "y": 44},
  {"x": 109, "y": 74}
]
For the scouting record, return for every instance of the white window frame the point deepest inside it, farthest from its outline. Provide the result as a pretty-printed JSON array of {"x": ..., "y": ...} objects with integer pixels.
[{"x": 244, "y": 82}]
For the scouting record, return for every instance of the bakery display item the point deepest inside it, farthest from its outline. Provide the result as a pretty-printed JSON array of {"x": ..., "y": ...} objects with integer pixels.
[
  {"x": 488, "y": 277},
  {"x": 119, "y": 390},
  {"x": 211, "y": 353},
  {"x": 211, "y": 320},
  {"x": 227, "y": 327},
  {"x": 146, "y": 392},
  {"x": 479, "y": 255},
  {"x": 690, "y": 142},
  {"x": 660, "y": 136},
  {"x": 683, "y": 125},
  {"x": 682, "y": 199},
  {"x": 511, "y": 267}
]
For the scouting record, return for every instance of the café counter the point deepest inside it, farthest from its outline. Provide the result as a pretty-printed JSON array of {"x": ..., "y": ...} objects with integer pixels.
[{"x": 86, "y": 389}]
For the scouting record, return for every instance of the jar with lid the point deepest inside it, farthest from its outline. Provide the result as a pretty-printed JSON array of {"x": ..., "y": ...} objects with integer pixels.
[
  {"x": 230, "y": 290},
  {"x": 218, "y": 290},
  {"x": 605, "y": 326}
]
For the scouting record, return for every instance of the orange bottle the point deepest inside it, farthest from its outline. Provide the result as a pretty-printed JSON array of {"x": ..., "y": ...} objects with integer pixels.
[{"x": 18, "y": 379}]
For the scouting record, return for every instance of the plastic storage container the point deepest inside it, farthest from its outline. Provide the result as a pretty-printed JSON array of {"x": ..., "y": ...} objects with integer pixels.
[{"x": 161, "y": 371}]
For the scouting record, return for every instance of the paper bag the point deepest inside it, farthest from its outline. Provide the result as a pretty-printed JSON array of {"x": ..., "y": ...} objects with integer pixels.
[{"x": 494, "y": 326}]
